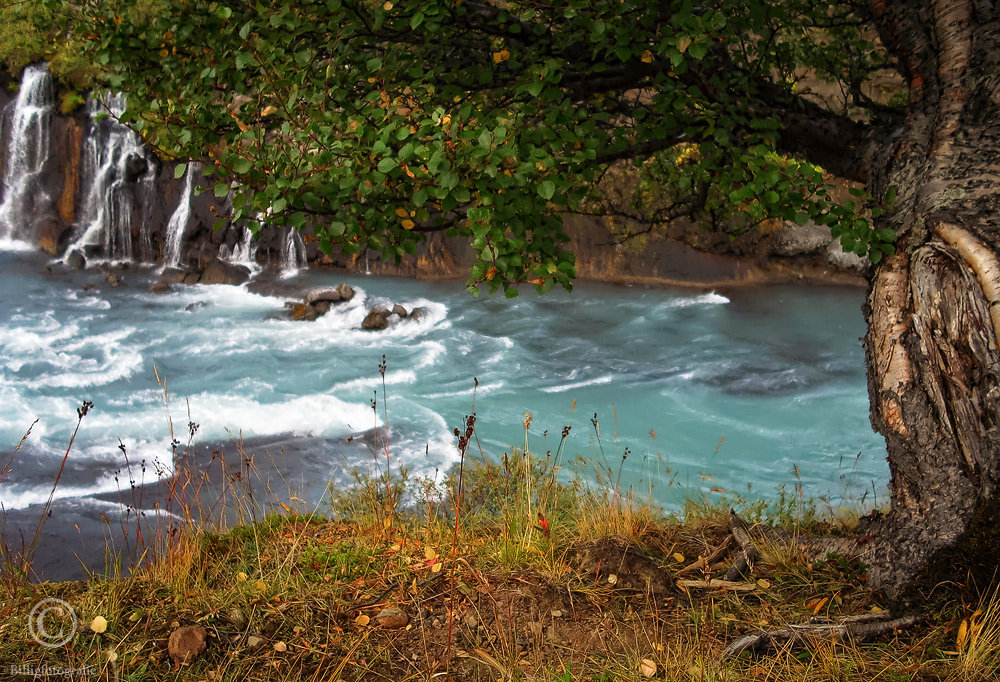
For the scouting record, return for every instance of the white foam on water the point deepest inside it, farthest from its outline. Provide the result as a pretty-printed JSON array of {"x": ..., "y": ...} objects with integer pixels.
[
  {"x": 578, "y": 384},
  {"x": 17, "y": 245},
  {"x": 482, "y": 389},
  {"x": 392, "y": 378},
  {"x": 710, "y": 298}
]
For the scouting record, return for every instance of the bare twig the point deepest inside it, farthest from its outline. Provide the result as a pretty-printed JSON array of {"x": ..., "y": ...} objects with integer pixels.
[{"x": 802, "y": 635}]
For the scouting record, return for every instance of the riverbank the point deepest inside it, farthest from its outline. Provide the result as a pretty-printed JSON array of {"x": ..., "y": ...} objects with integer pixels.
[{"x": 540, "y": 581}]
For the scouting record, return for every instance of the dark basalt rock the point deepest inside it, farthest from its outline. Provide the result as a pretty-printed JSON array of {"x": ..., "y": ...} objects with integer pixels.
[
  {"x": 135, "y": 167},
  {"x": 327, "y": 295},
  {"x": 377, "y": 318},
  {"x": 399, "y": 310},
  {"x": 221, "y": 272},
  {"x": 76, "y": 261}
]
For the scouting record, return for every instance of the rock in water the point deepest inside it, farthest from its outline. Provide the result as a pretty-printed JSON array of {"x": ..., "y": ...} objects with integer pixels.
[
  {"x": 304, "y": 311},
  {"x": 418, "y": 314},
  {"x": 186, "y": 643},
  {"x": 346, "y": 292},
  {"x": 220, "y": 272},
  {"x": 317, "y": 295},
  {"x": 159, "y": 287},
  {"x": 399, "y": 310},
  {"x": 377, "y": 318},
  {"x": 76, "y": 261}
]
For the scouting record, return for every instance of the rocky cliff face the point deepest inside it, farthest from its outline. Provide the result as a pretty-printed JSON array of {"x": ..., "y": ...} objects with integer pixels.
[{"x": 82, "y": 187}]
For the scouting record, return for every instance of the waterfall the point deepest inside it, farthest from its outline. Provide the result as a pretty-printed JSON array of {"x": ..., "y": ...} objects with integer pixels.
[
  {"x": 293, "y": 253},
  {"x": 24, "y": 199},
  {"x": 243, "y": 252},
  {"x": 179, "y": 219},
  {"x": 115, "y": 170}
]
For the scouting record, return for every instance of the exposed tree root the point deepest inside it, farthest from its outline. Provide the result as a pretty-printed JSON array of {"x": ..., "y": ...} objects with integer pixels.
[
  {"x": 707, "y": 562},
  {"x": 748, "y": 552},
  {"x": 858, "y": 628}
]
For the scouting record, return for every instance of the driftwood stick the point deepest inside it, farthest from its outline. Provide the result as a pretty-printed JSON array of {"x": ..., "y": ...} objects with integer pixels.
[
  {"x": 707, "y": 562},
  {"x": 717, "y": 585},
  {"x": 799, "y": 635},
  {"x": 749, "y": 554}
]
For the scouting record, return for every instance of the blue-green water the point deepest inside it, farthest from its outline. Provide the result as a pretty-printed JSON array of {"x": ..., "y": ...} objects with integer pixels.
[{"x": 724, "y": 390}]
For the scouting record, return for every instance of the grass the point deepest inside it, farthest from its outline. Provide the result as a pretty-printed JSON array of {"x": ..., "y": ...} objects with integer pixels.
[{"x": 506, "y": 569}]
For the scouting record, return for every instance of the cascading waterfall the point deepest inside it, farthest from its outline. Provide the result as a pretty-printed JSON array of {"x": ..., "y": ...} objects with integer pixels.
[
  {"x": 24, "y": 199},
  {"x": 243, "y": 252},
  {"x": 179, "y": 219},
  {"x": 115, "y": 166},
  {"x": 293, "y": 253}
]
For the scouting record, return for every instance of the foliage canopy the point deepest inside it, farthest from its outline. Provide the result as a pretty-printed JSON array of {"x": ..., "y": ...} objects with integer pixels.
[{"x": 377, "y": 122}]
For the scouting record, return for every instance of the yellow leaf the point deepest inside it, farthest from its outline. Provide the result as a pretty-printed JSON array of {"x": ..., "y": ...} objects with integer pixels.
[
  {"x": 497, "y": 57},
  {"x": 963, "y": 630},
  {"x": 387, "y": 6},
  {"x": 285, "y": 506},
  {"x": 436, "y": 568},
  {"x": 280, "y": 647},
  {"x": 429, "y": 553},
  {"x": 112, "y": 655},
  {"x": 505, "y": 54},
  {"x": 819, "y": 605},
  {"x": 647, "y": 56},
  {"x": 362, "y": 620},
  {"x": 163, "y": 53},
  {"x": 260, "y": 586},
  {"x": 763, "y": 583},
  {"x": 99, "y": 624},
  {"x": 683, "y": 44},
  {"x": 241, "y": 576},
  {"x": 678, "y": 557},
  {"x": 401, "y": 212},
  {"x": 269, "y": 109},
  {"x": 612, "y": 579},
  {"x": 408, "y": 224},
  {"x": 647, "y": 667}
]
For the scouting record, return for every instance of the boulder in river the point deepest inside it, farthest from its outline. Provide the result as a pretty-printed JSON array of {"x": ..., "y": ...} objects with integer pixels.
[
  {"x": 345, "y": 291},
  {"x": 399, "y": 310},
  {"x": 172, "y": 276},
  {"x": 326, "y": 294},
  {"x": 221, "y": 272},
  {"x": 160, "y": 287},
  {"x": 377, "y": 318},
  {"x": 304, "y": 311},
  {"x": 418, "y": 314},
  {"x": 75, "y": 260}
]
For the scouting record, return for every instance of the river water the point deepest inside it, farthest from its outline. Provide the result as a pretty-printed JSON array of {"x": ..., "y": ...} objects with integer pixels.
[{"x": 711, "y": 393}]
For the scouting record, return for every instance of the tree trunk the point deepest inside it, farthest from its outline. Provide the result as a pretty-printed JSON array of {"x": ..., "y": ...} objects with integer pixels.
[{"x": 933, "y": 309}]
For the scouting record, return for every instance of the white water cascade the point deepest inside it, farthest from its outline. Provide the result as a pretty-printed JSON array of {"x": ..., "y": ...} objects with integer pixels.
[
  {"x": 293, "y": 253},
  {"x": 23, "y": 198},
  {"x": 178, "y": 223},
  {"x": 112, "y": 207},
  {"x": 243, "y": 252}
]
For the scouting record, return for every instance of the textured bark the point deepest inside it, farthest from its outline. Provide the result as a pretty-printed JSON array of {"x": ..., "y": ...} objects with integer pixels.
[{"x": 934, "y": 308}]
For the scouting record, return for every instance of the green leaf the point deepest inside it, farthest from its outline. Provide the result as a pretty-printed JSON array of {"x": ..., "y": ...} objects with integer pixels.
[
  {"x": 546, "y": 189},
  {"x": 221, "y": 189},
  {"x": 386, "y": 165},
  {"x": 179, "y": 170},
  {"x": 242, "y": 165}
]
